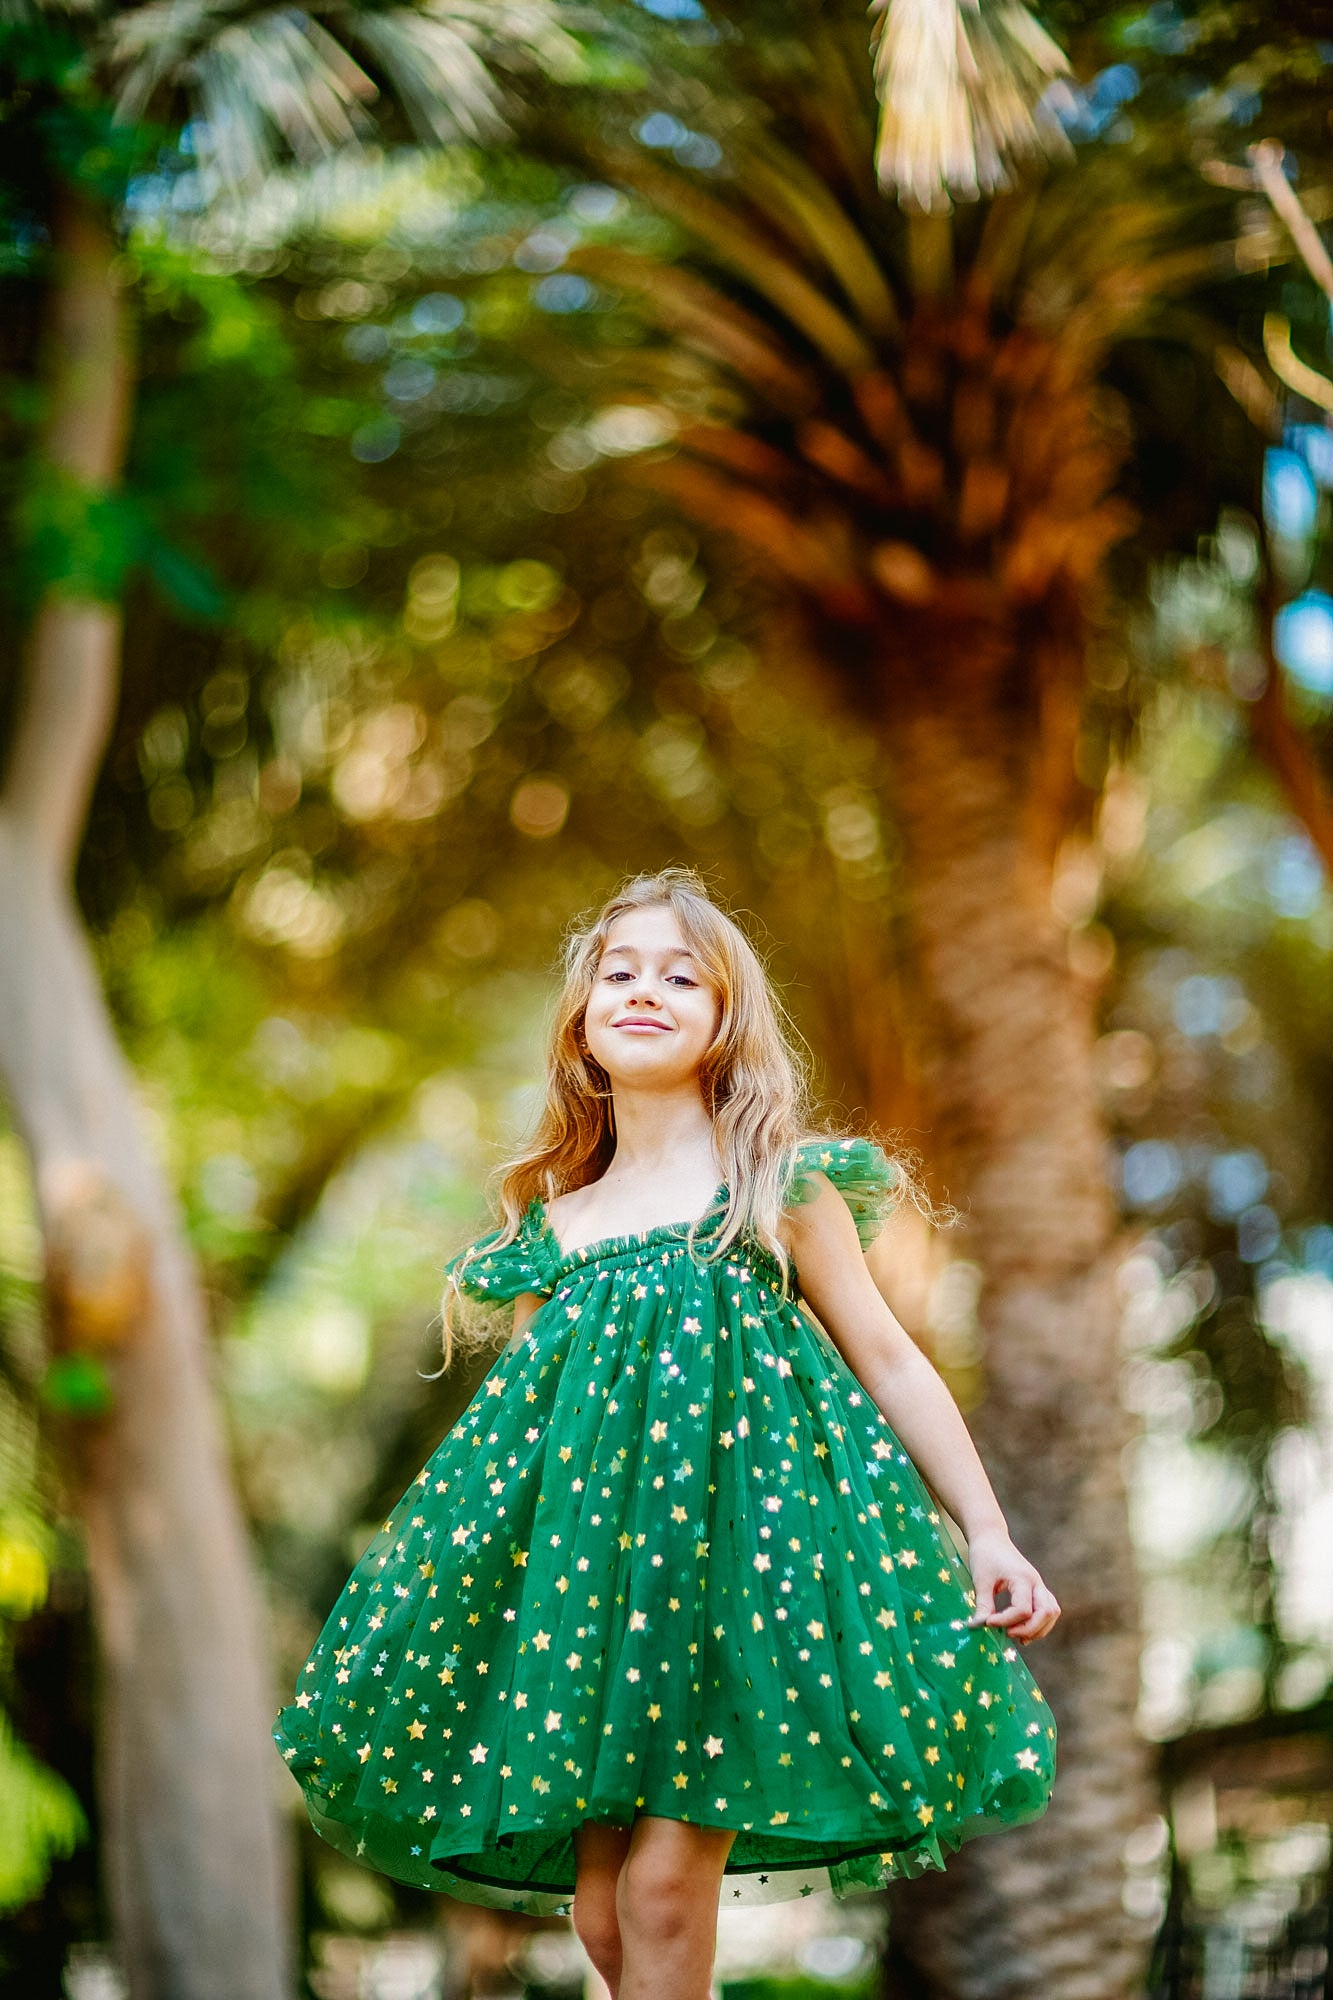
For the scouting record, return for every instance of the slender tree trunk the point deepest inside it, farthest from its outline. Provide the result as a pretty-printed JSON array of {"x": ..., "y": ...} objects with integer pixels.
[
  {"x": 196, "y": 1866},
  {"x": 1017, "y": 1132}
]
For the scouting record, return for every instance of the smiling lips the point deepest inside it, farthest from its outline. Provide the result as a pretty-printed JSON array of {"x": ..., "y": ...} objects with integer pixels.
[{"x": 641, "y": 1021}]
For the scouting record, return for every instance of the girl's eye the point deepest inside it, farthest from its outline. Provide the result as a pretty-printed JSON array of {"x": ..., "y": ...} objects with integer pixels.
[{"x": 679, "y": 978}]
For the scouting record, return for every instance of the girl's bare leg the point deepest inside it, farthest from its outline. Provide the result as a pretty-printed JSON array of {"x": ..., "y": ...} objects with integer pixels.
[
  {"x": 600, "y": 1849},
  {"x": 666, "y": 1902}
]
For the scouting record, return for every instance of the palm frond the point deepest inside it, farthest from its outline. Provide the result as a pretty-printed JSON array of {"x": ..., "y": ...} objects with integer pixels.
[
  {"x": 440, "y": 58},
  {"x": 962, "y": 85},
  {"x": 816, "y": 553},
  {"x": 740, "y": 452},
  {"x": 703, "y": 318},
  {"x": 743, "y": 250},
  {"x": 267, "y": 81},
  {"x": 268, "y": 78},
  {"x": 813, "y": 217},
  {"x": 435, "y": 69},
  {"x": 1000, "y": 247}
]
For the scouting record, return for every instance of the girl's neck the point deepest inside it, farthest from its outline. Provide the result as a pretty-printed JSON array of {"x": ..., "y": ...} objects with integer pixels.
[{"x": 654, "y": 1129}]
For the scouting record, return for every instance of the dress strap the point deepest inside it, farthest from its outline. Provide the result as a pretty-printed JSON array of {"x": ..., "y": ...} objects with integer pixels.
[
  {"x": 862, "y": 1172},
  {"x": 493, "y": 1272}
]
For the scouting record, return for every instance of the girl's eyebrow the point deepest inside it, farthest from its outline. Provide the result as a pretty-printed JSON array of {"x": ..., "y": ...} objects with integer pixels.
[{"x": 630, "y": 951}]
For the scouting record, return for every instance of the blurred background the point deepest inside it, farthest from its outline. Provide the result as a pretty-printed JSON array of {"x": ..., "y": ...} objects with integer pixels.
[{"x": 456, "y": 455}]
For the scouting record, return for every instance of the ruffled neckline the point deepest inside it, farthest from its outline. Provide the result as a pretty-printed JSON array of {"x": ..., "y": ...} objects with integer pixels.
[{"x": 611, "y": 1246}]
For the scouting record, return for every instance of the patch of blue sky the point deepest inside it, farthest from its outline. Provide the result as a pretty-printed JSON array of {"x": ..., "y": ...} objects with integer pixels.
[
  {"x": 407, "y": 379},
  {"x": 1303, "y": 641},
  {"x": 594, "y": 201},
  {"x": 1203, "y": 1004},
  {"x": 1258, "y": 1234},
  {"x": 1088, "y": 111},
  {"x": 1317, "y": 1248},
  {"x": 437, "y": 312},
  {"x": 1150, "y": 1173},
  {"x": 563, "y": 292},
  {"x": 1291, "y": 501},
  {"x": 660, "y": 130},
  {"x": 1314, "y": 444},
  {"x": 665, "y": 133},
  {"x": 1236, "y": 1181},
  {"x": 1293, "y": 877}
]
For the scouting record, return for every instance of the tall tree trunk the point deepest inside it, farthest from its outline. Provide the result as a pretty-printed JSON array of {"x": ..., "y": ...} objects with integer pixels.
[
  {"x": 196, "y": 1866},
  {"x": 1015, "y": 1126}
]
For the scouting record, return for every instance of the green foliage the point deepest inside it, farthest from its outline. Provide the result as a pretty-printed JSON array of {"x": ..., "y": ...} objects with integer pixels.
[
  {"x": 41, "y": 1819},
  {"x": 56, "y": 123},
  {"x": 24, "y": 1574},
  {"x": 1215, "y": 1079},
  {"x": 77, "y": 1385},
  {"x": 82, "y": 545},
  {"x": 42, "y": 1822}
]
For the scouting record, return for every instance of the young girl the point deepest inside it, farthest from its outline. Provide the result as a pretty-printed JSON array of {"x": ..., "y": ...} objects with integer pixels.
[{"x": 670, "y": 1613}]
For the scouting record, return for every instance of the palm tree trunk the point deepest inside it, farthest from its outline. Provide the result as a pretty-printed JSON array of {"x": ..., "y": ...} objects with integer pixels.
[
  {"x": 195, "y": 1863},
  {"x": 1017, "y": 1132}
]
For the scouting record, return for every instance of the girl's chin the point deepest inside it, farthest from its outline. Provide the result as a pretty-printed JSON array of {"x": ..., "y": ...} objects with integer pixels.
[{"x": 632, "y": 1062}]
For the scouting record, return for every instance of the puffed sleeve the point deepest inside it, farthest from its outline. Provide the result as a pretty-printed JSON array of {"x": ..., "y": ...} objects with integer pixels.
[
  {"x": 492, "y": 1272},
  {"x": 862, "y": 1172}
]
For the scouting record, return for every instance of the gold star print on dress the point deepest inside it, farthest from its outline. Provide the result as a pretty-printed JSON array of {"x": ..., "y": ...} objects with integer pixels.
[{"x": 671, "y": 1559}]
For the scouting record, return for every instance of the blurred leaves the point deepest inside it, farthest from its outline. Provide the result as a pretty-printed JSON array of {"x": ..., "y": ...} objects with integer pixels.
[{"x": 42, "y": 1822}]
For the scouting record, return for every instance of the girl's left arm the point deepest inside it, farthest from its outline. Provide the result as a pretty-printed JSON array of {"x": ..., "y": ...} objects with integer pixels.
[
  {"x": 525, "y": 1305},
  {"x": 826, "y": 1250}
]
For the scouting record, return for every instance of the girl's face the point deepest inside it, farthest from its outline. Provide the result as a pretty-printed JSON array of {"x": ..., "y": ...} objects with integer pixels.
[{"x": 653, "y": 1011}]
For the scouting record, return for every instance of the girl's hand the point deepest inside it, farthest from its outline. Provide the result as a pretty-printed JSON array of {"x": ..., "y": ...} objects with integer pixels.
[{"x": 995, "y": 1565}]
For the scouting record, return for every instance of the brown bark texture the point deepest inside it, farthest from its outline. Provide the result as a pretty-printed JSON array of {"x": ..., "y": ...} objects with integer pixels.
[
  {"x": 1015, "y": 1127},
  {"x": 195, "y": 1862}
]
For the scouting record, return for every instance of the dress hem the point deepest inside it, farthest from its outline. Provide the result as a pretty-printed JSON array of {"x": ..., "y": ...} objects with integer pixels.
[{"x": 929, "y": 1854}]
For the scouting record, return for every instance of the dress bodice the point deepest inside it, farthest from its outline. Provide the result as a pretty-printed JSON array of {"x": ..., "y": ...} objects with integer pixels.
[{"x": 492, "y": 1270}]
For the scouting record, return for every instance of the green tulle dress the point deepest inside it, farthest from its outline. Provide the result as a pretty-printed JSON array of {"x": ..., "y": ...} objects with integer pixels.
[{"x": 671, "y": 1559}]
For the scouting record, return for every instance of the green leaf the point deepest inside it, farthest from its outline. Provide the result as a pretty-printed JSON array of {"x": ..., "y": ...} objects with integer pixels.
[
  {"x": 77, "y": 1385},
  {"x": 42, "y": 1822}
]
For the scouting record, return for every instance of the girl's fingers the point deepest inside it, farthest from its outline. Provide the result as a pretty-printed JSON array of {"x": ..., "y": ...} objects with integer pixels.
[
  {"x": 1019, "y": 1608},
  {"x": 1030, "y": 1613},
  {"x": 1045, "y": 1611}
]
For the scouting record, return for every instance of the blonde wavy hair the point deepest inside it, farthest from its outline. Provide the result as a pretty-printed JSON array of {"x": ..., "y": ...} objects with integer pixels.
[{"x": 753, "y": 1079}]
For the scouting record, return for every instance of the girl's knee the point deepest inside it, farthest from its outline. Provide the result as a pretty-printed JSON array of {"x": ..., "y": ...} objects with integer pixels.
[
  {"x": 653, "y": 1908},
  {"x": 661, "y": 1896}
]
